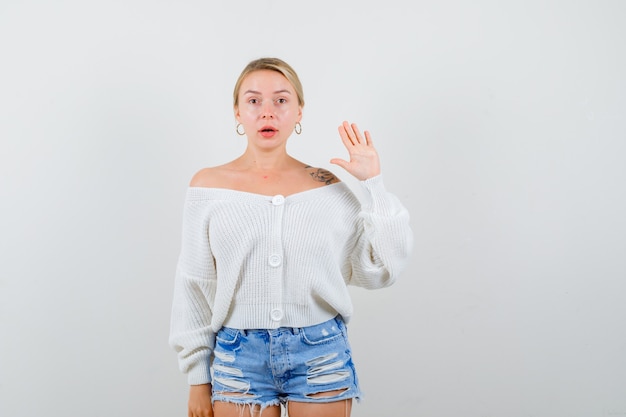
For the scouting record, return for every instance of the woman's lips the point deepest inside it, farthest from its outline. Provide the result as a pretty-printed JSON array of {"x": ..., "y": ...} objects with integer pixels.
[{"x": 267, "y": 131}]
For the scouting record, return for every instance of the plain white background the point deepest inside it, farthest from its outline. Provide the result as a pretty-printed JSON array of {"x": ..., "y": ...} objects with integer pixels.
[{"x": 501, "y": 126}]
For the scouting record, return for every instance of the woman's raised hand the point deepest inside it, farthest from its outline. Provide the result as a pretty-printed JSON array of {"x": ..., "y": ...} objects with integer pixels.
[{"x": 364, "y": 162}]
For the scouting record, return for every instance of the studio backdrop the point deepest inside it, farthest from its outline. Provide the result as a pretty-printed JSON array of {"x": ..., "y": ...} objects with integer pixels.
[{"x": 500, "y": 125}]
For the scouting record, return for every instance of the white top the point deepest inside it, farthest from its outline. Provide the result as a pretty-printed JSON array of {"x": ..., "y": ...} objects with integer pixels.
[{"x": 252, "y": 261}]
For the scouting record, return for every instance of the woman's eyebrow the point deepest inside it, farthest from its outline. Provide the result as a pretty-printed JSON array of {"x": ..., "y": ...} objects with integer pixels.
[{"x": 275, "y": 92}]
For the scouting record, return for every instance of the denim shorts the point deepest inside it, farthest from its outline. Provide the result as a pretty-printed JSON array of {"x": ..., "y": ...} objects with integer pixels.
[{"x": 273, "y": 366}]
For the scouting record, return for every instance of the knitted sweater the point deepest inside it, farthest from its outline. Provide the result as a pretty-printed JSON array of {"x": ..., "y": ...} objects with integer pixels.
[{"x": 252, "y": 261}]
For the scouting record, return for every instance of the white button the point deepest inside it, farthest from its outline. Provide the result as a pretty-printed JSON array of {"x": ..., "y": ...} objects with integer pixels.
[
  {"x": 275, "y": 260},
  {"x": 277, "y": 200},
  {"x": 276, "y": 314}
]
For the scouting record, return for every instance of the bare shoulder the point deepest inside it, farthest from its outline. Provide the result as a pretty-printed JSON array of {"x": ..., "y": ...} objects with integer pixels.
[
  {"x": 322, "y": 175},
  {"x": 208, "y": 177}
]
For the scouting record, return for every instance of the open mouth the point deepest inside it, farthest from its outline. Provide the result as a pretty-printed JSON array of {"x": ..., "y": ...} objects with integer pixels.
[{"x": 268, "y": 131}]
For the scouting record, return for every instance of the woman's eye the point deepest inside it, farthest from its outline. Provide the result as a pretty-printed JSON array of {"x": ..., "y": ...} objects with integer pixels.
[
  {"x": 253, "y": 101},
  {"x": 281, "y": 100}
]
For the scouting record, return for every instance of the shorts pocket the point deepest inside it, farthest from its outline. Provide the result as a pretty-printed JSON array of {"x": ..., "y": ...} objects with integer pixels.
[
  {"x": 321, "y": 333},
  {"x": 227, "y": 336}
]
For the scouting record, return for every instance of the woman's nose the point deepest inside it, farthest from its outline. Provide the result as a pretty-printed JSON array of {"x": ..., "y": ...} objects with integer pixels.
[{"x": 267, "y": 111}]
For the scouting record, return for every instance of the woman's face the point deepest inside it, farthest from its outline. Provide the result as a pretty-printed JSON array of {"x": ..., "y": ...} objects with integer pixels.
[{"x": 268, "y": 107}]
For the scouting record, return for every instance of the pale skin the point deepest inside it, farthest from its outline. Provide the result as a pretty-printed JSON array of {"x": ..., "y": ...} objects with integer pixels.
[{"x": 268, "y": 111}]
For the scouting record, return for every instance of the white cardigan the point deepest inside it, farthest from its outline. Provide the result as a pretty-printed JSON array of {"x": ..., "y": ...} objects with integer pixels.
[{"x": 252, "y": 261}]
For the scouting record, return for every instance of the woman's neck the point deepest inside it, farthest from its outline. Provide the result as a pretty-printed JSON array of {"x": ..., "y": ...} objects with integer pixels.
[{"x": 255, "y": 160}]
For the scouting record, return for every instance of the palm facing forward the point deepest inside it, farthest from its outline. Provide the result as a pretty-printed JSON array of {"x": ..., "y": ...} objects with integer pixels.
[{"x": 364, "y": 162}]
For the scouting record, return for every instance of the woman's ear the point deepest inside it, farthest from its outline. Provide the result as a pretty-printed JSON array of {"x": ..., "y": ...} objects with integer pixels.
[{"x": 236, "y": 112}]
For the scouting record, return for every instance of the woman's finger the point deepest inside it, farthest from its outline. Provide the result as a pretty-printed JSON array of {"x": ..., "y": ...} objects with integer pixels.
[
  {"x": 368, "y": 139},
  {"x": 345, "y": 137},
  {"x": 357, "y": 133}
]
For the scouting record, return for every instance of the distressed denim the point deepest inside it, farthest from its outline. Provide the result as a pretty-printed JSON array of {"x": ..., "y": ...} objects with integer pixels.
[{"x": 273, "y": 366}]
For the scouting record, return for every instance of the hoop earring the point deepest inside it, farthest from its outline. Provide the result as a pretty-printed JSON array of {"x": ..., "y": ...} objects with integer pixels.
[
  {"x": 240, "y": 133},
  {"x": 298, "y": 128}
]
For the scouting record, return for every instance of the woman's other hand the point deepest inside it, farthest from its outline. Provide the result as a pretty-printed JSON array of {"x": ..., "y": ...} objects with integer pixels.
[{"x": 200, "y": 401}]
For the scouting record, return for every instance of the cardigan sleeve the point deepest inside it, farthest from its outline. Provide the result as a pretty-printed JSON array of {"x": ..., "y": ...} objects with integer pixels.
[
  {"x": 191, "y": 335},
  {"x": 385, "y": 239}
]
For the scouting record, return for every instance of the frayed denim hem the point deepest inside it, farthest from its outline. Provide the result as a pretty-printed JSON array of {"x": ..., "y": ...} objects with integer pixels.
[
  {"x": 244, "y": 402},
  {"x": 322, "y": 399}
]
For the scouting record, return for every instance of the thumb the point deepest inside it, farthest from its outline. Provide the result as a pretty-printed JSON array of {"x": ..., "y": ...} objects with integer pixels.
[{"x": 340, "y": 162}]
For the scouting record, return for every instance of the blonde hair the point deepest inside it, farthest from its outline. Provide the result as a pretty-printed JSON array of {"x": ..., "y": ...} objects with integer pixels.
[{"x": 272, "y": 64}]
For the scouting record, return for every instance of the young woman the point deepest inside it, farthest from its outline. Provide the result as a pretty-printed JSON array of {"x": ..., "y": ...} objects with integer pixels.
[{"x": 269, "y": 246}]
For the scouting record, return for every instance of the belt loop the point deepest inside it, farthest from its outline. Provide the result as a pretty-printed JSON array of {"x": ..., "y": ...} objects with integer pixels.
[{"x": 340, "y": 322}]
